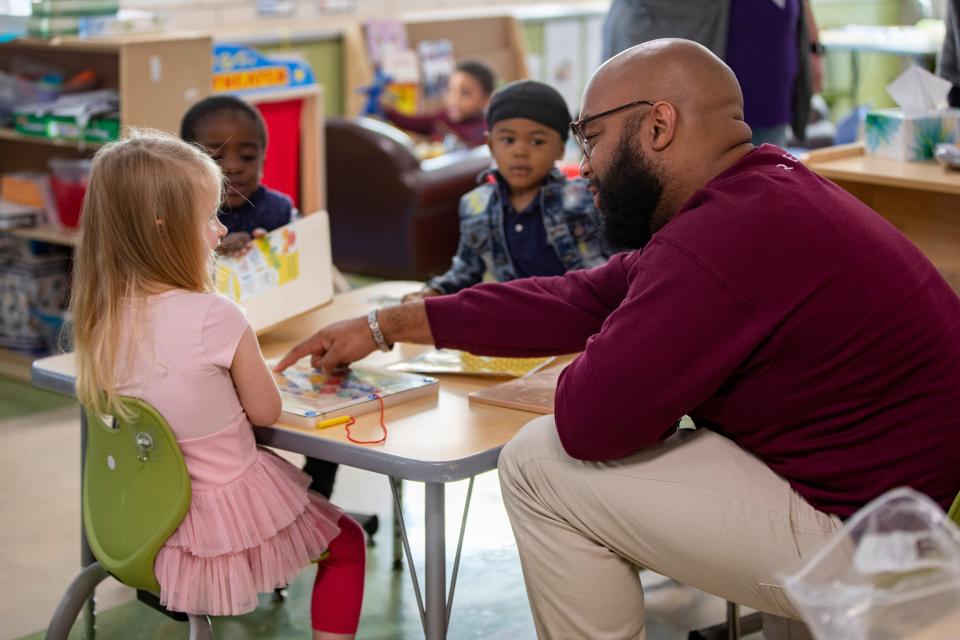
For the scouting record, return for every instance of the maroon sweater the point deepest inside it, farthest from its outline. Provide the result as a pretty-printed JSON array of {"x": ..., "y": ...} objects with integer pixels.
[
  {"x": 473, "y": 131},
  {"x": 774, "y": 309}
]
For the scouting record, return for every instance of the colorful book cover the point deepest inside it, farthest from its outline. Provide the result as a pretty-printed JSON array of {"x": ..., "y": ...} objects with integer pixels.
[
  {"x": 402, "y": 68},
  {"x": 309, "y": 395},
  {"x": 384, "y": 37},
  {"x": 273, "y": 261},
  {"x": 436, "y": 67},
  {"x": 453, "y": 361}
]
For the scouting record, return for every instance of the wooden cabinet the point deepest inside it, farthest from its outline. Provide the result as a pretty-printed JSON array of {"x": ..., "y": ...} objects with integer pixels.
[
  {"x": 157, "y": 78},
  {"x": 495, "y": 39}
]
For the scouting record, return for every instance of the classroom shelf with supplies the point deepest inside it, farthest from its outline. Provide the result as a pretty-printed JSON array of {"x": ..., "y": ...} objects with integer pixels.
[{"x": 151, "y": 80}]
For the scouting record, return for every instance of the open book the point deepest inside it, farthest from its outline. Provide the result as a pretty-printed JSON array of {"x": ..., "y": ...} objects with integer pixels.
[
  {"x": 286, "y": 273},
  {"x": 310, "y": 396}
]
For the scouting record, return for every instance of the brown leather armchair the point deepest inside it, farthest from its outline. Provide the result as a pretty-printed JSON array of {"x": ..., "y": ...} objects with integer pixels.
[{"x": 392, "y": 215}]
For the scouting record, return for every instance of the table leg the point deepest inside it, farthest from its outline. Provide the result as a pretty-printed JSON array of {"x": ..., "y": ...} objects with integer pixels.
[
  {"x": 436, "y": 607},
  {"x": 435, "y": 562},
  {"x": 397, "y": 535},
  {"x": 89, "y": 612}
]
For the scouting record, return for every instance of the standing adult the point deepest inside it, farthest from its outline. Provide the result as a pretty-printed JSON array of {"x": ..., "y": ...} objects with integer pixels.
[
  {"x": 948, "y": 66},
  {"x": 771, "y": 45},
  {"x": 816, "y": 349}
]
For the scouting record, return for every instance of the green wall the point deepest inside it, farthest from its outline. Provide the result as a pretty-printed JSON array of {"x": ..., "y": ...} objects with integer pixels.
[
  {"x": 876, "y": 69},
  {"x": 326, "y": 59}
]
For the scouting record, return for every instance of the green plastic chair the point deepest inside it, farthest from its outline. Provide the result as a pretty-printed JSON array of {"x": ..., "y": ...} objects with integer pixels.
[
  {"x": 954, "y": 513},
  {"x": 136, "y": 492}
]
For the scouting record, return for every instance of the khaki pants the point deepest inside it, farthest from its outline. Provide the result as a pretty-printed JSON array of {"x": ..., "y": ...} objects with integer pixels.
[{"x": 696, "y": 508}]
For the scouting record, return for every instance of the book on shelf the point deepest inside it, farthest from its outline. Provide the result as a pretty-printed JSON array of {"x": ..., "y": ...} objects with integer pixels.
[
  {"x": 14, "y": 215},
  {"x": 384, "y": 37},
  {"x": 461, "y": 362},
  {"x": 437, "y": 64},
  {"x": 534, "y": 392},
  {"x": 310, "y": 396}
]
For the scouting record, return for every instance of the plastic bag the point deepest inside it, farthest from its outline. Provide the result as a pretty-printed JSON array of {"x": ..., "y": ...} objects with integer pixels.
[{"x": 891, "y": 572}]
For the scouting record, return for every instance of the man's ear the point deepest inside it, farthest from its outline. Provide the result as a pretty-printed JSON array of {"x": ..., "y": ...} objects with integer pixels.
[
  {"x": 487, "y": 141},
  {"x": 664, "y": 120}
]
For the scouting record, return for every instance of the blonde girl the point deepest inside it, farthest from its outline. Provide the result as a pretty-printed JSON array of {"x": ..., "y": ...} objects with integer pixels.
[{"x": 148, "y": 325}]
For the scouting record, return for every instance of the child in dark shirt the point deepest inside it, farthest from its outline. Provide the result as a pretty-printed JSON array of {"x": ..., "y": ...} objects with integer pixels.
[
  {"x": 526, "y": 218},
  {"x": 468, "y": 92},
  {"x": 234, "y": 134}
]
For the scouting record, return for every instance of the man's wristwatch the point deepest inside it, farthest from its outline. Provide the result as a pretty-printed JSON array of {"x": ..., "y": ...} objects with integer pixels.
[
  {"x": 377, "y": 333},
  {"x": 817, "y": 49}
]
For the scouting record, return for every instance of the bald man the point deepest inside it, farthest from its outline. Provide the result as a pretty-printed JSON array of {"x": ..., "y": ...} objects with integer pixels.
[{"x": 816, "y": 349}]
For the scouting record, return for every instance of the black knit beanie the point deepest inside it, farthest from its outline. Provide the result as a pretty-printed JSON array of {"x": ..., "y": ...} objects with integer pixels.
[{"x": 532, "y": 100}]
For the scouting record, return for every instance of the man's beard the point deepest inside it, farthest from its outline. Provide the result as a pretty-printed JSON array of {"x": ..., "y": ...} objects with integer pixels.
[{"x": 630, "y": 193}]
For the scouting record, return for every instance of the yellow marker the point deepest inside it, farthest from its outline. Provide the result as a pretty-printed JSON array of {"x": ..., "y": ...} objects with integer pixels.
[{"x": 332, "y": 422}]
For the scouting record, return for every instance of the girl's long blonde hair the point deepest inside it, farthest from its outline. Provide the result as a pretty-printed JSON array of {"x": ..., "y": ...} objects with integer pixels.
[{"x": 142, "y": 233}]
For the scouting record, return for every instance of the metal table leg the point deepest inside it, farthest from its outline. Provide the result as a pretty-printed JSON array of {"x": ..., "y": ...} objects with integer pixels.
[
  {"x": 435, "y": 615},
  {"x": 397, "y": 536},
  {"x": 435, "y": 562}
]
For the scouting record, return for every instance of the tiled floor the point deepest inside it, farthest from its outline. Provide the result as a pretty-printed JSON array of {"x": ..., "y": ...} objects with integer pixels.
[{"x": 39, "y": 469}]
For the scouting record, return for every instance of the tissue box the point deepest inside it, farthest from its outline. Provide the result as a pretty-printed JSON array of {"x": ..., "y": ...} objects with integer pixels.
[{"x": 890, "y": 134}]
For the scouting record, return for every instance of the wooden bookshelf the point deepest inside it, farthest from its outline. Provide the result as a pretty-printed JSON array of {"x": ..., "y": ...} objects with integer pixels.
[
  {"x": 10, "y": 135},
  {"x": 63, "y": 236},
  {"x": 158, "y": 77},
  {"x": 494, "y": 39}
]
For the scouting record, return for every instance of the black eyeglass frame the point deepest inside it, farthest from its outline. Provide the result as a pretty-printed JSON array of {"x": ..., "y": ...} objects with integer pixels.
[{"x": 577, "y": 126}]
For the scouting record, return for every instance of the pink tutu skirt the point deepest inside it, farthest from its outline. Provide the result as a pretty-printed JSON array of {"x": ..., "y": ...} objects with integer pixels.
[{"x": 249, "y": 536}]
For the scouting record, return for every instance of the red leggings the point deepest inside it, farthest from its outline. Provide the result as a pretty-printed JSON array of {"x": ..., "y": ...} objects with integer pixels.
[{"x": 338, "y": 589}]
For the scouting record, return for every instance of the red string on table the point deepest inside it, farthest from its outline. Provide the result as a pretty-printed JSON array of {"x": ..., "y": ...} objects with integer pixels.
[{"x": 382, "y": 426}]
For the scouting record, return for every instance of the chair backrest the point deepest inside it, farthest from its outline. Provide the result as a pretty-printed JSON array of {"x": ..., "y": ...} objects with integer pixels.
[
  {"x": 954, "y": 512},
  {"x": 136, "y": 491},
  {"x": 406, "y": 225}
]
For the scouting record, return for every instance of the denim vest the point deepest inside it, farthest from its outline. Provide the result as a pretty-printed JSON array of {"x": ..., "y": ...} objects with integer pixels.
[{"x": 569, "y": 217}]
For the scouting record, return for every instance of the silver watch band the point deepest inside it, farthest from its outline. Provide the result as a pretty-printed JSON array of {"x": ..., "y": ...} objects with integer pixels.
[{"x": 377, "y": 333}]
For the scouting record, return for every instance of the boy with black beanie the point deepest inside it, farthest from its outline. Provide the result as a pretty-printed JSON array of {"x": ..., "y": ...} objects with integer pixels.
[{"x": 526, "y": 218}]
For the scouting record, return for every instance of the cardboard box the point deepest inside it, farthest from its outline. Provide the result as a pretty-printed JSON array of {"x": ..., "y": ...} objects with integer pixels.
[{"x": 890, "y": 134}]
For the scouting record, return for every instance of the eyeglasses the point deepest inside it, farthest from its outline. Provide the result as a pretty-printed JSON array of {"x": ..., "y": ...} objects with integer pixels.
[{"x": 579, "y": 126}]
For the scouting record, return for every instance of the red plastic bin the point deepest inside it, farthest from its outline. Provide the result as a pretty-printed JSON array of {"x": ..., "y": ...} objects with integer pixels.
[{"x": 68, "y": 181}]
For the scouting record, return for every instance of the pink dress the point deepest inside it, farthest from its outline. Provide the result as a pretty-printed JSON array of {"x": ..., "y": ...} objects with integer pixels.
[{"x": 252, "y": 523}]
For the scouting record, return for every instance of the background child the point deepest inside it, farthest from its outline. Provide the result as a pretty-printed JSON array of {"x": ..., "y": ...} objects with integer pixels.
[
  {"x": 234, "y": 134},
  {"x": 147, "y": 325},
  {"x": 468, "y": 92},
  {"x": 530, "y": 220}
]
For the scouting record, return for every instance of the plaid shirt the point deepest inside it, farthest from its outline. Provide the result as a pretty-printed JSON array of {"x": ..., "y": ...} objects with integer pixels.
[{"x": 570, "y": 219}]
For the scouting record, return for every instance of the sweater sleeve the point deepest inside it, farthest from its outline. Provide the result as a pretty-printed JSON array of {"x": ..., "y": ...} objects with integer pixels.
[
  {"x": 418, "y": 124},
  {"x": 679, "y": 334},
  {"x": 531, "y": 316}
]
